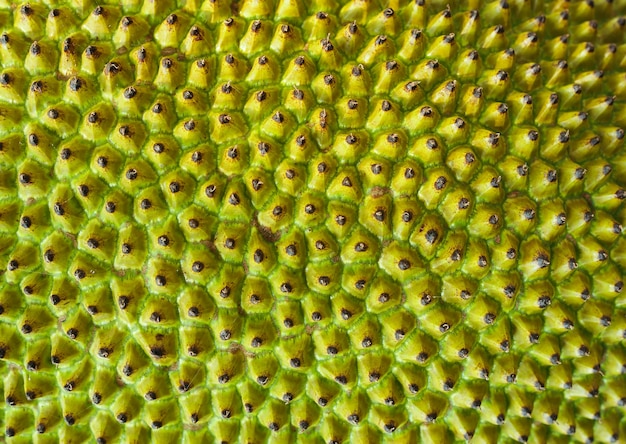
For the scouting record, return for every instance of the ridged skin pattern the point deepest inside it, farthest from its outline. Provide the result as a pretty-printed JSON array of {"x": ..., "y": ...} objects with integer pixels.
[{"x": 313, "y": 221}]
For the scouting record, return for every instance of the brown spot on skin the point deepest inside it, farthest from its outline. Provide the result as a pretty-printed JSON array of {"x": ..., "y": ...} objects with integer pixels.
[
  {"x": 379, "y": 191},
  {"x": 265, "y": 232}
]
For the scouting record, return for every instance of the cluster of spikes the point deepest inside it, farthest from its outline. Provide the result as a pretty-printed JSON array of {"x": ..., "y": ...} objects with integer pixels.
[{"x": 313, "y": 221}]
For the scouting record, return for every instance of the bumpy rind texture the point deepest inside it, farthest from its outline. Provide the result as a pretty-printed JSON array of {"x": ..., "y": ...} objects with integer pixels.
[{"x": 313, "y": 221}]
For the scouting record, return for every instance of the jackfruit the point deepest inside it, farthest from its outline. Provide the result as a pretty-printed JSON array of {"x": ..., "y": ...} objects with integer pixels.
[{"x": 287, "y": 221}]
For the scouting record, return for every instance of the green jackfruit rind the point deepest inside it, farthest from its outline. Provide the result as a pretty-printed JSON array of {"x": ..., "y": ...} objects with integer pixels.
[{"x": 435, "y": 191}]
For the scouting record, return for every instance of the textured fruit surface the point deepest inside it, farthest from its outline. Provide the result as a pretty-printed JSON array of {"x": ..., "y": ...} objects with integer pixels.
[{"x": 313, "y": 221}]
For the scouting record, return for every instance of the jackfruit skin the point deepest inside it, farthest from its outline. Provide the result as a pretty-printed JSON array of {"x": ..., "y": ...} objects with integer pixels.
[{"x": 325, "y": 221}]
